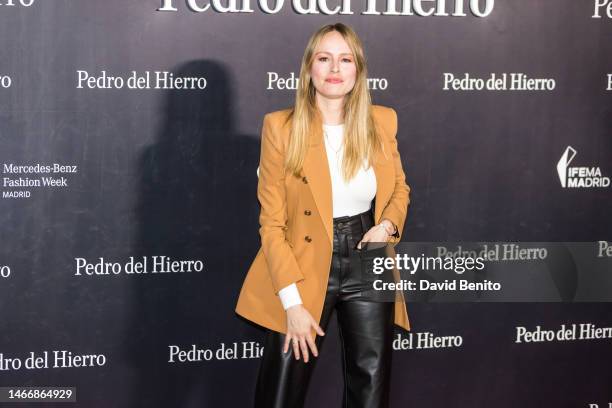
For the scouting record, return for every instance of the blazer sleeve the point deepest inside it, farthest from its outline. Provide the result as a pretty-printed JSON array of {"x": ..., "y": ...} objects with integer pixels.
[
  {"x": 282, "y": 264},
  {"x": 397, "y": 208}
]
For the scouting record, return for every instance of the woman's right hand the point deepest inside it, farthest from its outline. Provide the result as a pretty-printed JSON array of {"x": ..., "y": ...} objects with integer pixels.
[{"x": 299, "y": 325}]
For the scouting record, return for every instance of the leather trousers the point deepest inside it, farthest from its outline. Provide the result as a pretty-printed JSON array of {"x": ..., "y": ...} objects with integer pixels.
[{"x": 365, "y": 328}]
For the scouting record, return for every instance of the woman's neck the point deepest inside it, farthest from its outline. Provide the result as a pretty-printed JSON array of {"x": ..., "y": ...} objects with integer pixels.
[{"x": 332, "y": 110}]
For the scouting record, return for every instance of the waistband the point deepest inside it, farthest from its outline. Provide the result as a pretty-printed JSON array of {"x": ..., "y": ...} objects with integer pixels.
[{"x": 366, "y": 219}]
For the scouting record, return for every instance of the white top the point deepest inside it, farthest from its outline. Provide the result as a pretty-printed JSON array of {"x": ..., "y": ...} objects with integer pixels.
[
  {"x": 349, "y": 198},
  {"x": 355, "y": 196}
]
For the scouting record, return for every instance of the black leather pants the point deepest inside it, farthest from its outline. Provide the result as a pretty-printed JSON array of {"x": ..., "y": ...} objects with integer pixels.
[{"x": 366, "y": 331}]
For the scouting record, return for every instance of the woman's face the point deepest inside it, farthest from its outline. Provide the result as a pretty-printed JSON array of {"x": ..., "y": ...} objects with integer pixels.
[{"x": 333, "y": 70}]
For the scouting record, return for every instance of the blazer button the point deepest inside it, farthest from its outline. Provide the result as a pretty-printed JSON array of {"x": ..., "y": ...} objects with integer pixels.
[
  {"x": 304, "y": 180},
  {"x": 307, "y": 238},
  {"x": 307, "y": 212}
]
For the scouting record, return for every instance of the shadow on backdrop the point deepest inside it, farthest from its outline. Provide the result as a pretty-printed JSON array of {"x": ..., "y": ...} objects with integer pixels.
[{"x": 197, "y": 201}]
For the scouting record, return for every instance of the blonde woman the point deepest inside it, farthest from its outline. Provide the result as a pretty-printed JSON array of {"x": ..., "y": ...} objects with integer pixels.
[{"x": 330, "y": 179}]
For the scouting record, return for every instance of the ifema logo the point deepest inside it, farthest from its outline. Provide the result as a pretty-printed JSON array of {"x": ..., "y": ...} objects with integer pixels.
[{"x": 579, "y": 176}]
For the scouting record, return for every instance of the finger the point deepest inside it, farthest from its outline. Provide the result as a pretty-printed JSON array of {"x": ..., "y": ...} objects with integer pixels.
[
  {"x": 296, "y": 349},
  {"x": 304, "y": 349},
  {"x": 286, "y": 345},
  {"x": 312, "y": 345},
  {"x": 318, "y": 328},
  {"x": 363, "y": 240}
]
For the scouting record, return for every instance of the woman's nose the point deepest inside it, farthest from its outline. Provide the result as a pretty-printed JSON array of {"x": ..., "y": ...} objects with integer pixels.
[{"x": 335, "y": 66}]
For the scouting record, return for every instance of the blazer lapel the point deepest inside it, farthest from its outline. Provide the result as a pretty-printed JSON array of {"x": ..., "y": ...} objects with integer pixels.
[
  {"x": 385, "y": 179},
  {"x": 316, "y": 171}
]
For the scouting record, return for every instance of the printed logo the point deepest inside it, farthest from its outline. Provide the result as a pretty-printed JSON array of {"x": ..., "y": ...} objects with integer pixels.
[
  {"x": 603, "y": 8},
  {"x": 579, "y": 176},
  {"x": 5, "y": 81},
  {"x": 22, "y": 3}
]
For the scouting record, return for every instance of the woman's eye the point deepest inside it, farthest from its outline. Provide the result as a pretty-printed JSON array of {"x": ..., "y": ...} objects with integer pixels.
[{"x": 324, "y": 59}]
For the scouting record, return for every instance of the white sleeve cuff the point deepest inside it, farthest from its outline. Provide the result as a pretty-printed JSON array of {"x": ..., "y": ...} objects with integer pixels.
[{"x": 290, "y": 296}]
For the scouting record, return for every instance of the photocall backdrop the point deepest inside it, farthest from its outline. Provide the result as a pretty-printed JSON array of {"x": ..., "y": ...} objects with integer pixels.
[{"x": 130, "y": 136}]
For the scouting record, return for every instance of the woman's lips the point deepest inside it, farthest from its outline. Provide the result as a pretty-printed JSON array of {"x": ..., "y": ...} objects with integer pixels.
[{"x": 333, "y": 81}]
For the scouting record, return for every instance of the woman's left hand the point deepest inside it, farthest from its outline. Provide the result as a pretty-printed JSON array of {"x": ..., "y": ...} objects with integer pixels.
[{"x": 378, "y": 233}]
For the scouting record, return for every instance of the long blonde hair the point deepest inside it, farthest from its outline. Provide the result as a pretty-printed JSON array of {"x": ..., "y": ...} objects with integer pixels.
[{"x": 360, "y": 136}]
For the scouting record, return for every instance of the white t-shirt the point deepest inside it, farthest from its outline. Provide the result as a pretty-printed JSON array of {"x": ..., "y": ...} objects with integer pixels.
[{"x": 348, "y": 198}]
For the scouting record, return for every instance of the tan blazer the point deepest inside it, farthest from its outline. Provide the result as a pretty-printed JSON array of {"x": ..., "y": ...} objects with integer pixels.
[{"x": 297, "y": 225}]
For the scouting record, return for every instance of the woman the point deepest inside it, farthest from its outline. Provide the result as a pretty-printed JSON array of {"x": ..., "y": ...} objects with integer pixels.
[{"x": 323, "y": 164}]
